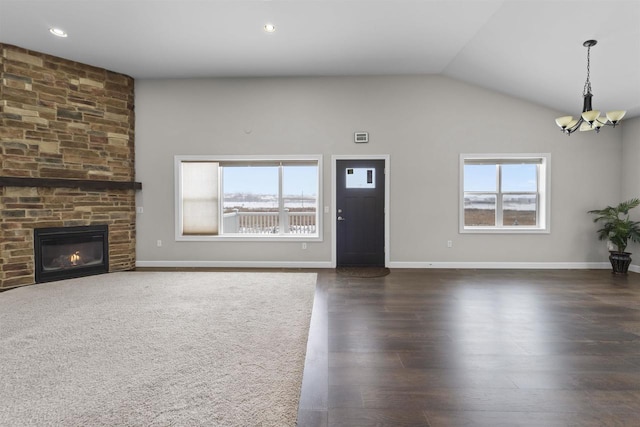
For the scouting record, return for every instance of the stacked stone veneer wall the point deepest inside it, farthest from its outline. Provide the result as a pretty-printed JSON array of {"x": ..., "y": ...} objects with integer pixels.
[{"x": 62, "y": 119}]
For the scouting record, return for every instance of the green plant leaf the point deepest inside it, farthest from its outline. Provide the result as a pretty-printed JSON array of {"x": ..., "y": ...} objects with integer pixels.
[{"x": 616, "y": 224}]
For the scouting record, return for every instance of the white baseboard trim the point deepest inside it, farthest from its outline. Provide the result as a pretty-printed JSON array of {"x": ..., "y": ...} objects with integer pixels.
[
  {"x": 233, "y": 264},
  {"x": 634, "y": 268},
  {"x": 396, "y": 264},
  {"x": 506, "y": 265}
]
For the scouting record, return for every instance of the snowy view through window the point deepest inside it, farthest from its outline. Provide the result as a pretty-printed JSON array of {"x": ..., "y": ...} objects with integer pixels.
[
  {"x": 513, "y": 187},
  {"x": 254, "y": 190}
]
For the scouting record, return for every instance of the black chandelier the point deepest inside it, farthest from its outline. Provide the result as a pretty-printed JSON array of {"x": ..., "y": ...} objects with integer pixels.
[{"x": 590, "y": 118}]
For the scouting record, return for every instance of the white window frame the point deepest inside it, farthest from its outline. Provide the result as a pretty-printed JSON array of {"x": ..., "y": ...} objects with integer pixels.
[
  {"x": 544, "y": 193},
  {"x": 179, "y": 159}
]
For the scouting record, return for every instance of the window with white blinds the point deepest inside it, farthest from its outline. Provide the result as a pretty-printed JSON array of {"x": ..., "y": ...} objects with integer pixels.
[
  {"x": 199, "y": 189},
  {"x": 240, "y": 197}
]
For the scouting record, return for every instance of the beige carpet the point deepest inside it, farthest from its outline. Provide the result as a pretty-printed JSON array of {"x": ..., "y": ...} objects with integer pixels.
[{"x": 155, "y": 349}]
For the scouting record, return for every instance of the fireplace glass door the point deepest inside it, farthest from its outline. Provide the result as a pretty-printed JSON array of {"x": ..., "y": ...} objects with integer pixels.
[{"x": 68, "y": 252}]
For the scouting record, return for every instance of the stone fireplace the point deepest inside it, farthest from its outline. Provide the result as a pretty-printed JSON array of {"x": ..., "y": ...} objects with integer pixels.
[{"x": 66, "y": 157}]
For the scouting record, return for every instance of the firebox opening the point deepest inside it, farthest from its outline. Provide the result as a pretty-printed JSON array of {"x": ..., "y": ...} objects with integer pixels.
[{"x": 67, "y": 252}]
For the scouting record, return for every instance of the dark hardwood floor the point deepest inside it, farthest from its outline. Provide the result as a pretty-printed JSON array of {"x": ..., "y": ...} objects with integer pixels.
[{"x": 474, "y": 348}]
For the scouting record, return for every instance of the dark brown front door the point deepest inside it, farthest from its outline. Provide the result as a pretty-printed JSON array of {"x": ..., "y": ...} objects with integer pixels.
[{"x": 360, "y": 213}]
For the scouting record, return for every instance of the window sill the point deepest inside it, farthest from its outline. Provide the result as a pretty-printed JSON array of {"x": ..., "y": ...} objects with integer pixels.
[
  {"x": 503, "y": 230},
  {"x": 249, "y": 238}
]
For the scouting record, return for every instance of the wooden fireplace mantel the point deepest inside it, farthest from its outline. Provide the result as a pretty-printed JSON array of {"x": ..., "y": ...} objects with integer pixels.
[{"x": 84, "y": 184}]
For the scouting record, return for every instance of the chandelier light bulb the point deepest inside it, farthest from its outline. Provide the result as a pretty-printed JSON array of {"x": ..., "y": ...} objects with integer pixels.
[
  {"x": 615, "y": 116},
  {"x": 585, "y": 127},
  {"x": 590, "y": 116},
  {"x": 564, "y": 121},
  {"x": 597, "y": 124}
]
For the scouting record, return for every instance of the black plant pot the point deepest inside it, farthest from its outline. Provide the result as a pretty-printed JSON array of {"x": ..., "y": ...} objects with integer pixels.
[{"x": 620, "y": 261}]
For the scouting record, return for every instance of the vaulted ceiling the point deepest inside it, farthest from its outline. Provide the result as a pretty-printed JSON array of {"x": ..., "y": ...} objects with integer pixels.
[{"x": 528, "y": 49}]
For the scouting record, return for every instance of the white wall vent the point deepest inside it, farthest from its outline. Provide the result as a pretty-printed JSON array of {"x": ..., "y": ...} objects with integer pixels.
[{"x": 361, "y": 137}]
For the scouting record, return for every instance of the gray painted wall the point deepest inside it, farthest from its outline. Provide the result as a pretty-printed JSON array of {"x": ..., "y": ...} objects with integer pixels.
[
  {"x": 422, "y": 122},
  {"x": 631, "y": 171},
  {"x": 631, "y": 158}
]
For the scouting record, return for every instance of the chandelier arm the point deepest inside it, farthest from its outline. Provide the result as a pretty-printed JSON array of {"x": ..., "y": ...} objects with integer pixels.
[{"x": 575, "y": 127}]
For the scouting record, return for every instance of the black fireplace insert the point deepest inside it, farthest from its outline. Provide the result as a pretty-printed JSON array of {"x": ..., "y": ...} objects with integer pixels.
[{"x": 68, "y": 252}]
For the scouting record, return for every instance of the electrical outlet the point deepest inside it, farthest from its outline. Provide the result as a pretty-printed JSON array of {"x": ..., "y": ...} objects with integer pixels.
[
  {"x": 159, "y": 243},
  {"x": 304, "y": 245},
  {"x": 449, "y": 243},
  {"x": 139, "y": 209}
]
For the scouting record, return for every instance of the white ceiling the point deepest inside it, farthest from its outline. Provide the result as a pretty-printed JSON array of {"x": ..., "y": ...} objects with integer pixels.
[{"x": 528, "y": 49}]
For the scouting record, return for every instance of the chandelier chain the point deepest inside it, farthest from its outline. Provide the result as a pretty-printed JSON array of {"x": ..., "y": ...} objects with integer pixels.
[{"x": 587, "y": 84}]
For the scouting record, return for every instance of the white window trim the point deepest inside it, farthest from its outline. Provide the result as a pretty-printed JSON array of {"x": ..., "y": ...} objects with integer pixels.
[
  {"x": 244, "y": 237},
  {"x": 544, "y": 178}
]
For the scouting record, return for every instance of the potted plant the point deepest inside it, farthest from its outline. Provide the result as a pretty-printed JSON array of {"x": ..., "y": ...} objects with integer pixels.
[{"x": 618, "y": 228}]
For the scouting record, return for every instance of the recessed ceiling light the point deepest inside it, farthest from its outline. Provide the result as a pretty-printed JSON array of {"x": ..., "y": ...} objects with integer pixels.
[
  {"x": 270, "y": 28},
  {"x": 57, "y": 32}
]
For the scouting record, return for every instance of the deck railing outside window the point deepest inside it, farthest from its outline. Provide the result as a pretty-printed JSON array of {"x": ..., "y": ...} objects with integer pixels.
[{"x": 269, "y": 222}]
